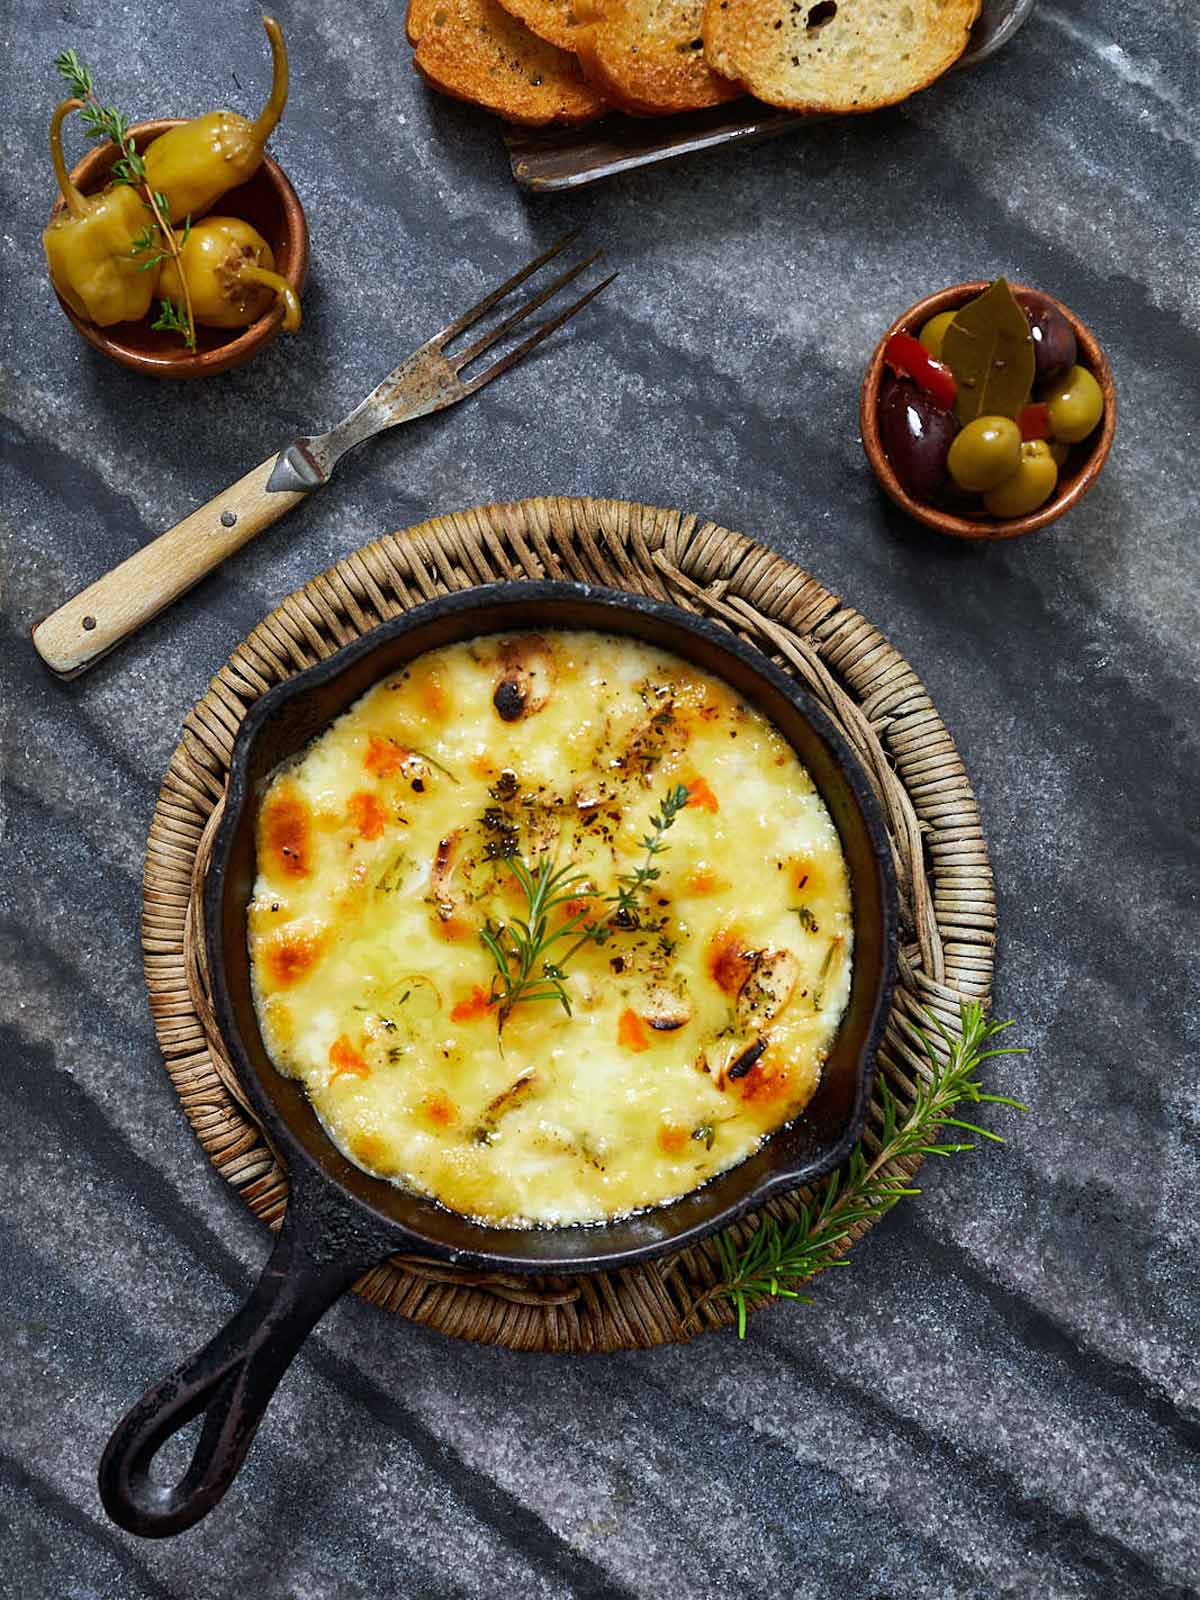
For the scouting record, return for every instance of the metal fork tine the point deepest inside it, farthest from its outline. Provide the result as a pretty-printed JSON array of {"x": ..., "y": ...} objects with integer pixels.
[
  {"x": 488, "y": 339},
  {"x": 486, "y": 304},
  {"x": 535, "y": 338}
]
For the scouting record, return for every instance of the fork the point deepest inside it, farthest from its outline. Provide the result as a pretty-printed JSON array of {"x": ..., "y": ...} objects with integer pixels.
[{"x": 74, "y": 637}]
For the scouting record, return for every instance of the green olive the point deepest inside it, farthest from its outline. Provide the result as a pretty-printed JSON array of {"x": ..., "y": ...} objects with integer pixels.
[
  {"x": 984, "y": 453},
  {"x": 1060, "y": 450},
  {"x": 1030, "y": 486},
  {"x": 1076, "y": 405},
  {"x": 934, "y": 331}
]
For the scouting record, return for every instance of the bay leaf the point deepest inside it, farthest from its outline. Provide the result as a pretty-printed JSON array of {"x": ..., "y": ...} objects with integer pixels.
[{"x": 989, "y": 349}]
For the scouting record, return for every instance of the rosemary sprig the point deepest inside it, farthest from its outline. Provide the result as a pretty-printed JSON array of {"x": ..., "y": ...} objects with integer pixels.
[
  {"x": 521, "y": 948},
  {"x": 777, "y": 1259},
  {"x": 107, "y": 122}
]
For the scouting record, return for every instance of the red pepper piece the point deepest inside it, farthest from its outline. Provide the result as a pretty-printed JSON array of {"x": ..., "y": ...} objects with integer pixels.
[
  {"x": 1034, "y": 421},
  {"x": 909, "y": 357}
]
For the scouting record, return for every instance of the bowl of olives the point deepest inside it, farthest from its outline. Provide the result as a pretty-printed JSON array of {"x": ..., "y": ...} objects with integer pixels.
[{"x": 987, "y": 410}]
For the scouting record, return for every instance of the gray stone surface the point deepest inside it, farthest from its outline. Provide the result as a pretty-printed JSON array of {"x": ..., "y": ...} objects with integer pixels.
[{"x": 1000, "y": 1398}]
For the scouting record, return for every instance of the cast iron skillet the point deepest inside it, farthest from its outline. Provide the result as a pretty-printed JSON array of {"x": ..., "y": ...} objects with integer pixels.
[{"x": 339, "y": 1220}]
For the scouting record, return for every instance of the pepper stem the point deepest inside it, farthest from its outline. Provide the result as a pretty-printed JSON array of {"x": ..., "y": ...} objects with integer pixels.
[
  {"x": 270, "y": 114},
  {"x": 291, "y": 300},
  {"x": 71, "y": 195}
]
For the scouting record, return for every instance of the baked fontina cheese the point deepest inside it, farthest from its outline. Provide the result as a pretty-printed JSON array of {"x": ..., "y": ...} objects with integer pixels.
[{"x": 697, "y": 1026}]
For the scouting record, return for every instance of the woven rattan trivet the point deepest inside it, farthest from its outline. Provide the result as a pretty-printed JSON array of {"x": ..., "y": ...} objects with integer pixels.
[{"x": 947, "y": 906}]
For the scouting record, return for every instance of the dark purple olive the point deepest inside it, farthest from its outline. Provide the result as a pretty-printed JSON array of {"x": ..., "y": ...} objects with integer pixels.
[
  {"x": 1053, "y": 342},
  {"x": 916, "y": 438}
]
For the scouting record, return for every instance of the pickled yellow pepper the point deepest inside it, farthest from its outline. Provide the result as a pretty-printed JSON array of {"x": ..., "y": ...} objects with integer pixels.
[
  {"x": 229, "y": 269},
  {"x": 90, "y": 245},
  {"x": 196, "y": 163}
]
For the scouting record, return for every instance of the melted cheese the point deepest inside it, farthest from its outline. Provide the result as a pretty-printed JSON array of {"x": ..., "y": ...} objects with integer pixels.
[{"x": 383, "y": 854}]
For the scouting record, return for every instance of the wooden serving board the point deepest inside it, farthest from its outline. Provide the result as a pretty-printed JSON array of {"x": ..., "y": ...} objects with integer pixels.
[{"x": 567, "y": 158}]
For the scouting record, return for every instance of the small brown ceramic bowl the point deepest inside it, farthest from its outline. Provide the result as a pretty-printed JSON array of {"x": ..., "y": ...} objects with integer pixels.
[
  {"x": 269, "y": 203},
  {"x": 1078, "y": 472}
]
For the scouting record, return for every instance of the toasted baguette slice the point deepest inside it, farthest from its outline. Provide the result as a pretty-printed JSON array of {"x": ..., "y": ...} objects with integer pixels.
[
  {"x": 553, "y": 20},
  {"x": 473, "y": 50},
  {"x": 647, "y": 56},
  {"x": 835, "y": 55}
]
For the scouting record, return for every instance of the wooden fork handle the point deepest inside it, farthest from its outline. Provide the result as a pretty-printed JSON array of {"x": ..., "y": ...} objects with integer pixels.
[{"x": 74, "y": 637}]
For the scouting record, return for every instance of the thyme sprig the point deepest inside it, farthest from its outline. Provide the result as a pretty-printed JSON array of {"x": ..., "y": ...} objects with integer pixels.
[
  {"x": 777, "y": 1259},
  {"x": 148, "y": 244},
  {"x": 107, "y": 122},
  {"x": 168, "y": 320},
  {"x": 632, "y": 883},
  {"x": 521, "y": 948}
]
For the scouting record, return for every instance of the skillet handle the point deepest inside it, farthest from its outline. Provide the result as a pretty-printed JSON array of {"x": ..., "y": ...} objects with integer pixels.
[{"x": 234, "y": 1376}]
